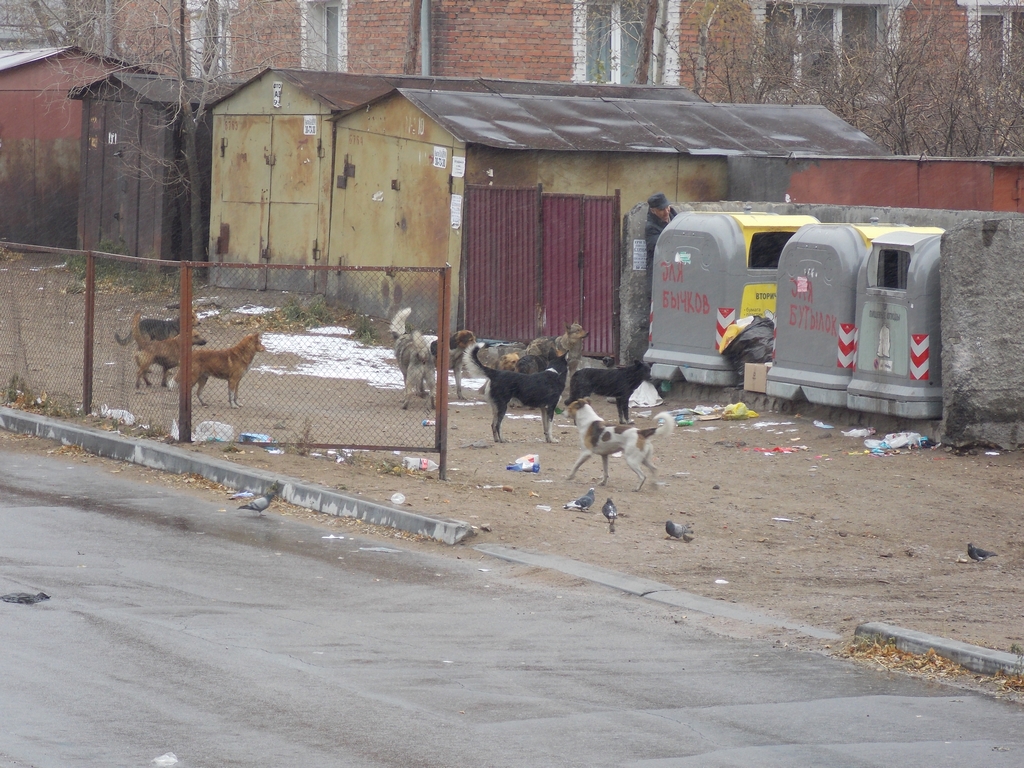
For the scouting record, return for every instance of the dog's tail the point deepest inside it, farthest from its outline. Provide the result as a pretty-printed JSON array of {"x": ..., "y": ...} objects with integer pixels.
[
  {"x": 666, "y": 423},
  {"x": 474, "y": 353},
  {"x": 123, "y": 340},
  {"x": 136, "y": 332},
  {"x": 398, "y": 322}
]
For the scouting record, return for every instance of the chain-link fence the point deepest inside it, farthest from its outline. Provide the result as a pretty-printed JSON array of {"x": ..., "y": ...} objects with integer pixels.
[{"x": 289, "y": 355}]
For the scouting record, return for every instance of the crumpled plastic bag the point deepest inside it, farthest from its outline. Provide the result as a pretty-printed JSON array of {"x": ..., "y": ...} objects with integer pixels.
[
  {"x": 645, "y": 396},
  {"x": 737, "y": 411}
]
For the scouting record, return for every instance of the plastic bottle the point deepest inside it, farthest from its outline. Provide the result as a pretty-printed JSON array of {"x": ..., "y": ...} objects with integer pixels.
[
  {"x": 428, "y": 422},
  {"x": 425, "y": 465}
]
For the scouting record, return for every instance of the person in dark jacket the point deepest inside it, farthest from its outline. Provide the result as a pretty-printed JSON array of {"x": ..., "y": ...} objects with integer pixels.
[{"x": 658, "y": 217}]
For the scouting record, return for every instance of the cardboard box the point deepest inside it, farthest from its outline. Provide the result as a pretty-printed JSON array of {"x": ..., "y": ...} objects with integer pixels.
[{"x": 755, "y": 377}]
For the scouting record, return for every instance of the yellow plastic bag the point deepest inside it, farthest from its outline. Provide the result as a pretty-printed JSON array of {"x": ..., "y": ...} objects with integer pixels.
[
  {"x": 730, "y": 333},
  {"x": 737, "y": 411}
]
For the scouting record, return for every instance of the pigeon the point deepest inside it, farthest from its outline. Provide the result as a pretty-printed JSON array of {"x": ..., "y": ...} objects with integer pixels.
[
  {"x": 583, "y": 503},
  {"x": 611, "y": 513},
  {"x": 679, "y": 531},
  {"x": 975, "y": 553},
  {"x": 260, "y": 503},
  {"x": 25, "y": 598}
]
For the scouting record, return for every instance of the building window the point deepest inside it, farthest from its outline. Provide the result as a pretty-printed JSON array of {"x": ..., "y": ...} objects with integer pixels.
[
  {"x": 607, "y": 39},
  {"x": 811, "y": 34},
  {"x": 325, "y": 35}
]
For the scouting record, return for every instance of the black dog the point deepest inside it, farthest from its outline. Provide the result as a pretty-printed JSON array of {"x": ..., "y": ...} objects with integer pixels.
[
  {"x": 615, "y": 382},
  {"x": 537, "y": 390},
  {"x": 155, "y": 329}
]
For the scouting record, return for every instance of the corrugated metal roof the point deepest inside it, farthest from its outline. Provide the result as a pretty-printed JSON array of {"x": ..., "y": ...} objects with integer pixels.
[
  {"x": 344, "y": 91},
  {"x": 13, "y": 59},
  {"x": 513, "y": 121},
  {"x": 154, "y": 88}
]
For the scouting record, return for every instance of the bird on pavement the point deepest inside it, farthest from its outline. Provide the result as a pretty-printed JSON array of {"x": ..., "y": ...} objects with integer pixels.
[
  {"x": 611, "y": 513},
  {"x": 978, "y": 554},
  {"x": 583, "y": 503},
  {"x": 679, "y": 531},
  {"x": 260, "y": 503}
]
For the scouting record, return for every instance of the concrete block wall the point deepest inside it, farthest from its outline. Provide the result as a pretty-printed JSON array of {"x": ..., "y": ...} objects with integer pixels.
[{"x": 982, "y": 302}]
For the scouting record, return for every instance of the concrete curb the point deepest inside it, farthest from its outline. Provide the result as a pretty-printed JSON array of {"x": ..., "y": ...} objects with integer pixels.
[
  {"x": 652, "y": 590},
  {"x": 179, "y": 461},
  {"x": 984, "y": 661}
]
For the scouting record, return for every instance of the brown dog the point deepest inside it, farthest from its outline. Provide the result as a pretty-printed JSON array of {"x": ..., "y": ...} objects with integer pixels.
[
  {"x": 569, "y": 343},
  {"x": 229, "y": 364},
  {"x": 163, "y": 352},
  {"x": 508, "y": 362}
]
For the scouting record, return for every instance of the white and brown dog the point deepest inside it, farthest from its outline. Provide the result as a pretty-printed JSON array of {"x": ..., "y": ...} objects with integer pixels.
[
  {"x": 600, "y": 439},
  {"x": 414, "y": 359}
]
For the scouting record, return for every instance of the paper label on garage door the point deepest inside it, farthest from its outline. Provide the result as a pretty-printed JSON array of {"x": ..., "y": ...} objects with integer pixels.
[{"x": 456, "y": 211}]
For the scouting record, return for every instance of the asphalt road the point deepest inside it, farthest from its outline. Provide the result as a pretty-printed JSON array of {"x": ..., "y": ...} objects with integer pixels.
[{"x": 235, "y": 640}]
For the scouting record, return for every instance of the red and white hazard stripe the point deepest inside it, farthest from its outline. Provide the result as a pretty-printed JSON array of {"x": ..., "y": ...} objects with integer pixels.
[
  {"x": 919, "y": 353},
  {"x": 650, "y": 324},
  {"x": 847, "y": 345},
  {"x": 726, "y": 317}
]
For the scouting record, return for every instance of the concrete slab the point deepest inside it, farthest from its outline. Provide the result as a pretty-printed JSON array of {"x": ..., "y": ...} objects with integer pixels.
[
  {"x": 984, "y": 661},
  {"x": 171, "y": 459}
]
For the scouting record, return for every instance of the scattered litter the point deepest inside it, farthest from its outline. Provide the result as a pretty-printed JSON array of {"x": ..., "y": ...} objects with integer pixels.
[
  {"x": 484, "y": 570},
  {"x": 243, "y": 495},
  {"x": 398, "y": 498},
  {"x": 381, "y": 549},
  {"x": 864, "y": 432},
  {"x": 782, "y": 519},
  {"x": 213, "y": 431},
  {"x": 169, "y": 758},
  {"x": 25, "y": 598},
  {"x": 543, "y": 507},
  {"x": 255, "y": 437},
  {"x": 721, "y": 581},
  {"x": 476, "y": 444},
  {"x": 528, "y": 463},
  {"x": 822, "y": 425},
  {"x": 117, "y": 414},
  {"x": 428, "y": 422},
  {"x": 422, "y": 464},
  {"x": 781, "y": 449},
  {"x": 332, "y": 536},
  {"x": 737, "y": 411},
  {"x": 896, "y": 440},
  {"x": 275, "y": 451},
  {"x": 992, "y": 453}
]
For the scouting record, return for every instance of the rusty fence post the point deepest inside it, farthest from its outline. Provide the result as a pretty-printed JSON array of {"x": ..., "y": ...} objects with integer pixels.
[
  {"x": 89, "y": 323},
  {"x": 185, "y": 356},
  {"x": 444, "y": 303}
]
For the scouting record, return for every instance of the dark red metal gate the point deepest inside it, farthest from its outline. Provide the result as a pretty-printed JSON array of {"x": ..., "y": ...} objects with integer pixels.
[{"x": 535, "y": 262}]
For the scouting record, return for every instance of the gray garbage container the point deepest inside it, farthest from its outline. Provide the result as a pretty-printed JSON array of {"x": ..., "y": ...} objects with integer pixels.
[
  {"x": 816, "y": 311},
  {"x": 898, "y": 366},
  {"x": 710, "y": 269}
]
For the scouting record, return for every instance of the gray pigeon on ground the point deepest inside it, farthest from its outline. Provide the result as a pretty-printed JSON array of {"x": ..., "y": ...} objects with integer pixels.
[
  {"x": 976, "y": 553},
  {"x": 583, "y": 503},
  {"x": 679, "y": 531},
  {"x": 611, "y": 513},
  {"x": 260, "y": 503},
  {"x": 25, "y": 598}
]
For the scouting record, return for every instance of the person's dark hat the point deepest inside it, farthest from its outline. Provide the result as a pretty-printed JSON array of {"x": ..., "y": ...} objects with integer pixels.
[{"x": 657, "y": 200}]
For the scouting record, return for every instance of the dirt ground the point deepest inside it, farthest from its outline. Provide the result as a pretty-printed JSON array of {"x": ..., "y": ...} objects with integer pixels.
[{"x": 830, "y": 536}]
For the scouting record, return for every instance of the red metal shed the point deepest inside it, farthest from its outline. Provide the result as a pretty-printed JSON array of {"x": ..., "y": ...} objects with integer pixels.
[{"x": 40, "y": 131}]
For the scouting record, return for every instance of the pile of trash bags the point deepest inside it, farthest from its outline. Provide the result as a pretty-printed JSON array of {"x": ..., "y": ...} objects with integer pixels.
[{"x": 754, "y": 342}]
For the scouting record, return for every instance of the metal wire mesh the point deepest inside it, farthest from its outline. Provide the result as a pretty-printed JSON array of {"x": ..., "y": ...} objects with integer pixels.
[{"x": 323, "y": 372}]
